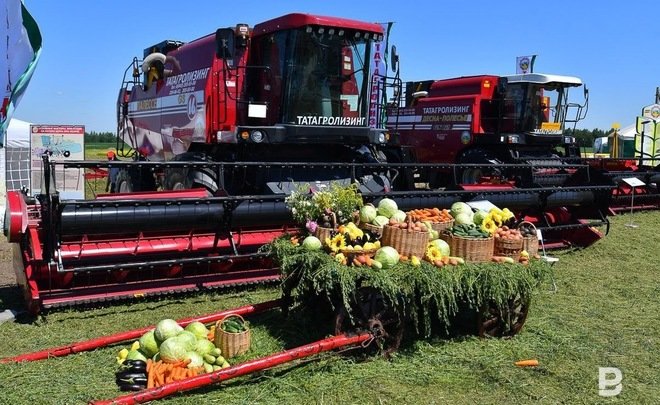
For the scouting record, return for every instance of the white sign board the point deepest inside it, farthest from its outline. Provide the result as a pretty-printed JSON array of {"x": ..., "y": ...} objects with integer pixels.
[
  {"x": 483, "y": 205},
  {"x": 633, "y": 182},
  {"x": 62, "y": 143}
]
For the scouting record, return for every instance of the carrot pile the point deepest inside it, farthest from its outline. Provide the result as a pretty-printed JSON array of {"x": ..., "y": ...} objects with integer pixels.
[
  {"x": 160, "y": 373},
  {"x": 430, "y": 214}
]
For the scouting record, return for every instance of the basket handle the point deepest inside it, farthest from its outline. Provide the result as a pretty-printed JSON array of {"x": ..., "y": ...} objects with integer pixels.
[
  {"x": 220, "y": 322},
  {"x": 526, "y": 223}
]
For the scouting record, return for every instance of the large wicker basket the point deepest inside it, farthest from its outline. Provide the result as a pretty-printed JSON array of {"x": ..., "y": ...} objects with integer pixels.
[
  {"x": 441, "y": 226},
  {"x": 232, "y": 344},
  {"x": 470, "y": 249},
  {"x": 530, "y": 243},
  {"x": 508, "y": 247},
  {"x": 375, "y": 229},
  {"x": 405, "y": 241}
]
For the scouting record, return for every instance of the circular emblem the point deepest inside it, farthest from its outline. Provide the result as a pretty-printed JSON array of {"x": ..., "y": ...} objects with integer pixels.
[
  {"x": 192, "y": 106},
  {"x": 655, "y": 112},
  {"x": 465, "y": 137},
  {"x": 524, "y": 64}
]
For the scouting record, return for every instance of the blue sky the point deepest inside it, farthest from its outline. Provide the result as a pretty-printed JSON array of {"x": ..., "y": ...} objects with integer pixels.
[{"x": 611, "y": 45}]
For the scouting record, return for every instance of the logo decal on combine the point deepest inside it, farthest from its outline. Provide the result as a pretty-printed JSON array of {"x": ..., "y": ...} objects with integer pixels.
[
  {"x": 192, "y": 106},
  {"x": 655, "y": 112},
  {"x": 465, "y": 137}
]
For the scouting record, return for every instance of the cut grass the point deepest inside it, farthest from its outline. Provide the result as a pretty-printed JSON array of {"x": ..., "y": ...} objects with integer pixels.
[{"x": 604, "y": 314}]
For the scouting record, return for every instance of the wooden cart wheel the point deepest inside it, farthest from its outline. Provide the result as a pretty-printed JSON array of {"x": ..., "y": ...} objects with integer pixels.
[
  {"x": 493, "y": 322},
  {"x": 371, "y": 313}
]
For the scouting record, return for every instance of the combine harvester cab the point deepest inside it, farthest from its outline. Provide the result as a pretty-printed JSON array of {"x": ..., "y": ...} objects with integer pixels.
[{"x": 506, "y": 132}]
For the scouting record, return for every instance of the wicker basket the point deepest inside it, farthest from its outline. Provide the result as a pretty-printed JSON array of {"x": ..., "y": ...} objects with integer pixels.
[
  {"x": 470, "y": 249},
  {"x": 405, "y": 241},
  {"x": 508, "y": 247},
  {"x": 441, "y": 226},
  {"x": 530, "y": 243},
  {"x": 231, "y": 344},
  {"x": 323, "y": 233},
  {"x": 375, "y": 229}
]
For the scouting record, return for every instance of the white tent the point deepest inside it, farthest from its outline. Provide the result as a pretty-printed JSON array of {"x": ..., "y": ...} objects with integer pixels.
[
  {"x": 14, "y": 160},
  {"x": 626, "y": 134}
]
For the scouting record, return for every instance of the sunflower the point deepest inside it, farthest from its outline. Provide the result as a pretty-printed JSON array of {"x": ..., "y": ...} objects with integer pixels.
[
  {"x": 433, "y": 254},
  {"x": 489, "y": 225},
  {"x": 337, "y": 242}
]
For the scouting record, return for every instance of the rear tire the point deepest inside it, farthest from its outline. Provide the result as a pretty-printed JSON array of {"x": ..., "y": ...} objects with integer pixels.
[{"x": 123, "y": 182}]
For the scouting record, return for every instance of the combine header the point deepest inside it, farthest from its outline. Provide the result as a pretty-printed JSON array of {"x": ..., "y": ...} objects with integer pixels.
[{"x": 219, "y": 130}]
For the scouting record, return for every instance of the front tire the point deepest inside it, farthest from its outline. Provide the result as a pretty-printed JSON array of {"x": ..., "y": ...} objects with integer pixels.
[{"x": 473, "y": 175}]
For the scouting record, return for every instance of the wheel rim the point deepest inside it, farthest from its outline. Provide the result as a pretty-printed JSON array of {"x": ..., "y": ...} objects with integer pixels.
[
  {"x": 371, "y": 313},
  {"x": 124, "y": 187},
  {"x": 472, "y": 176},
  {"x": 503, "y": 322}
]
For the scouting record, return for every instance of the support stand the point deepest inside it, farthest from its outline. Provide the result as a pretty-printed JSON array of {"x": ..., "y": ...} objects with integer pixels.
[
  {"x": 632, "y": 182},
  {"x": 549, "y": 260}
]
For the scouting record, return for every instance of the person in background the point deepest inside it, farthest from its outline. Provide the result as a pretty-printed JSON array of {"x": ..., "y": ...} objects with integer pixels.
[{"x": 112, "y": 173}]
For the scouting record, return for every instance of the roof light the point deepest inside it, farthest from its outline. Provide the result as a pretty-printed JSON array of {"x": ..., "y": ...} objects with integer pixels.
[
  {"x": 257, "y": 136},
  {"x": 308, "y": 29},
  {"x": 341, "y": 33},
  {"x": 321, "y": 30},
  {"x": 331, "y": 31}
]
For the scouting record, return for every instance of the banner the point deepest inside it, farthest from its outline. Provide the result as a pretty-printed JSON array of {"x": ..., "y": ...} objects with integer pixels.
[
  {"x": 20, "y": 47},
  {"x": 525, "y": 64},
  {"x": 62, "y": 143},
  {"x": 378, "y": 98}
]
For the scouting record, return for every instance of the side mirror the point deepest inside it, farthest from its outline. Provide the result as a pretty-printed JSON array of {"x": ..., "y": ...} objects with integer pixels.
[
  {"x": 502, "y": 84},
  {"x": 394, "y": 59},
  {"x": 224, "y": 43}
]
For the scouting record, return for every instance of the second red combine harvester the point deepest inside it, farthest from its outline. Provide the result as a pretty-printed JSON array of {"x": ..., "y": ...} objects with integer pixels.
[{"x": 222, "y": 128}]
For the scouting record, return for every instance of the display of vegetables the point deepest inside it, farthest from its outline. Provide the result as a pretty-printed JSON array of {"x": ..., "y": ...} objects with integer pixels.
[
  {"x": 430, "y": 215},
  {"x": 151, "y": 362},
  {"x": 233, "y": 324},
  {"x": 469, "y": 231}
]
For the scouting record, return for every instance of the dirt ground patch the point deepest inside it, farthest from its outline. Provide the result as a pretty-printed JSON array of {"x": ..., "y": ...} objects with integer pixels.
[{"x": 7, "y": 276}]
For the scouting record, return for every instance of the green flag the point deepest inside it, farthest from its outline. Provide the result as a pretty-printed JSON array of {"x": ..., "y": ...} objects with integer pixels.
[{"x": 20, "y": 47}]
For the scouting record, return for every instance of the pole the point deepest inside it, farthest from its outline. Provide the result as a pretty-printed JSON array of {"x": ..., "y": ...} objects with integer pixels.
[
  {"x": 632, "y": 204},
  {"x": 92, "y": 344}
]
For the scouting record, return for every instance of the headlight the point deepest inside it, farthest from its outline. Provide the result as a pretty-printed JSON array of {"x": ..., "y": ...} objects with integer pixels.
[
  {"x": 381, "y": 138},
  {"x": 257, "y": 136},
  {"x": 569, "y": 139}
]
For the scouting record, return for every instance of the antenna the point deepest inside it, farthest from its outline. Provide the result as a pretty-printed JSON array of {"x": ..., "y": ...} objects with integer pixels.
[{"x": 657, "y": 95}]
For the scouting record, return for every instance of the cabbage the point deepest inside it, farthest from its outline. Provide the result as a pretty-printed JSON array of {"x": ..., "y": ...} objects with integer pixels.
[
  {"x": 368, "y": 213},
  {"x": 198, "y": 329},
  {"x": 387, "y": 256},
  {"x": 441, "y": 245},
  {"x": 458, "y": 208},
  {"x": 399, "y": 216},
  {"x": 136, "y": 355},
  {"x": 380, "y": 221},
  {"x": 387, "y": 207},
  {"x": 195, "y": 359},
  {"x": 148, "y": 344},
  {"x": 204, "y": 346},
  {"x": 479, "y": 217},
  {"x": 166, "y": 329},
  {"x": 173, "y": 349},
  {"x": 187, "y": 338},
  {"x": 463, "y": 218},
  {"x": 311, "y": 243}
]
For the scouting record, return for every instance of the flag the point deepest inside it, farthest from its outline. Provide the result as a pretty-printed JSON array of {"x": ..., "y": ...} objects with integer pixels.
[
  {"x": 525, "y": 64},
  {"x": 20, "y": 47}
]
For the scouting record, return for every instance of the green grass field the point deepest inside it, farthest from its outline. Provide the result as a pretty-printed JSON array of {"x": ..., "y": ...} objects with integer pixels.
[{"x": 604, "y": 313}]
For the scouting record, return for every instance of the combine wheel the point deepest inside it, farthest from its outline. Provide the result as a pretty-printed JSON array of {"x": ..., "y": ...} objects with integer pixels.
[
  {"x": 124, "y": 182},
  {"x": 504, "y": 322},
  {"x": 176, "y": 179},
  {"x": 473, "y": 175},
  {"x": 371, "y": 313}
]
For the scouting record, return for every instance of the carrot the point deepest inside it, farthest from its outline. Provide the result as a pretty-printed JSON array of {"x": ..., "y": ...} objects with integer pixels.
[
  {"x": 527, "y": 363},
  {"x": 150, "y": 379},
  {"x": 149, "y": 363}
]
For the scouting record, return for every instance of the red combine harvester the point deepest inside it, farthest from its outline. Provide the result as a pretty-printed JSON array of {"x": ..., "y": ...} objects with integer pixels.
[
  {"x": 504, "y": 132},
  {"x": 220, "y": 130}
]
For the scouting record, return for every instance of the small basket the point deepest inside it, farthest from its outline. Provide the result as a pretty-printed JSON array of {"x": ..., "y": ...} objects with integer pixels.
[
  {"x": 508, "y": 247},
  {"x": 530, "y": 243},
  {"x": 232, "y": 344},
  {"x": 321, "y": 233},
  {"x": 470, "y": 249},
  {"x": 441, "y": 226},
  {"x": 405, "y": 241}
]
